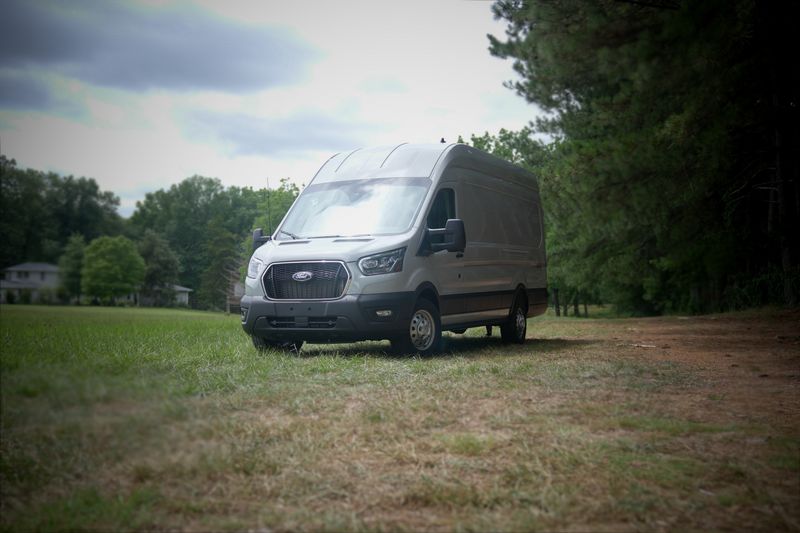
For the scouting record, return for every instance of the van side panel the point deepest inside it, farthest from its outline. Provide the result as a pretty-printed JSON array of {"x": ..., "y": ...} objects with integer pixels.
[{"x": 504, "y": 247}]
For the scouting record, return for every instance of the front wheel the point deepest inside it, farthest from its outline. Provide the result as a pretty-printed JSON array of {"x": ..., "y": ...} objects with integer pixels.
[
  {"x": 424, "y": 333},
  {"x": 515, "y": 329},
  {"x": 263, "y": 345}
]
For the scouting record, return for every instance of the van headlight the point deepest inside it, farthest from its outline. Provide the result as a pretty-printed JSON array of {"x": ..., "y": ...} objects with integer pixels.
[
  {"x": 382, "y": 263},
  {"x": 253, "y": 267}
]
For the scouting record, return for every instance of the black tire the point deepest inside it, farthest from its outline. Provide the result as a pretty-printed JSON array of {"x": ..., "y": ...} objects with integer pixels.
[
  {"x": 264, "y": 345},
  {"x": 514, "y": 330},
  {"x": 424, "y": 333}
]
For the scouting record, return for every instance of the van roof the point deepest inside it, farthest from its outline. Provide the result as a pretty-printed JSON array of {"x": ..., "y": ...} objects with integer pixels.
[{"x": 415, "y": 161}]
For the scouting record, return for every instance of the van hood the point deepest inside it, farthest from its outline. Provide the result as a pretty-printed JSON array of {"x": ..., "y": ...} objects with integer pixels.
[{"x": 347, "y": 249}]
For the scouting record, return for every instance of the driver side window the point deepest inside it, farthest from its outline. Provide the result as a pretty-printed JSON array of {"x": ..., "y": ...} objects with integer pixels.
[{"x": 443, "y": 208}]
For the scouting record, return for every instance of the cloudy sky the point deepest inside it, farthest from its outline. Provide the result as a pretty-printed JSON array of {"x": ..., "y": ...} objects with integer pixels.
[{"x": 142, "y": 95}]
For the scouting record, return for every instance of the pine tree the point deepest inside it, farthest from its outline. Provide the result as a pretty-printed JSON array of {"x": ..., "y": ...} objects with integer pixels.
[{"x": 663, "y": 146}]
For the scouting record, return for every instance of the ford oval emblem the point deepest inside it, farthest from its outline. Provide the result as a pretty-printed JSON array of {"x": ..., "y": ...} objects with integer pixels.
[{"x": 303, "y": 275}]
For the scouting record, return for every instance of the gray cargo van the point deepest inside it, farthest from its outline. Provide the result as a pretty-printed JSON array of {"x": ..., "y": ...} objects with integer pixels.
[{"x": 401, "y": 243}]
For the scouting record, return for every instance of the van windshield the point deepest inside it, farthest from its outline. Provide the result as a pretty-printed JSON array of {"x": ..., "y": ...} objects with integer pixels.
[{"x": 377, "y": 206}]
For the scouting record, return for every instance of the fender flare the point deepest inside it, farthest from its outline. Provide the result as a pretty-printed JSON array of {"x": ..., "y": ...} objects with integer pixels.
[{"x": 427, "y": 288}]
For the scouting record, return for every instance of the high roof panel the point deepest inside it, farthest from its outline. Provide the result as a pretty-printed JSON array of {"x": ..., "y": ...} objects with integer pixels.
[{"x": 401, "y": 161}]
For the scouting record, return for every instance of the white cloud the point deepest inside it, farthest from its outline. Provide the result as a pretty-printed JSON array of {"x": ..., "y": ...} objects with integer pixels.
[
  {"x": 386, "y": 73},
  {"x": 134, "y": 47}
]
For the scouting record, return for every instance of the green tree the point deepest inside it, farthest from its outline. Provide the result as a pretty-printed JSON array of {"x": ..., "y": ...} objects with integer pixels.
[
  {"x": 182, "y": 214},
  {"x": 39, "y": 212},
  {"x": 111, "y": 268},
  {"x": 161, "y": 268},
  {"x": 222, "y": 255},
  {"x": 77, "y": 205},
  {"x": 208, "y": 227},
  {"x": 273, "y": 204},
  {"x": 519, "y": 147},
  {"x": 663, "y": 184},
  {"x": 71, "y": 265},
  {"x": 24, "y": 220}
]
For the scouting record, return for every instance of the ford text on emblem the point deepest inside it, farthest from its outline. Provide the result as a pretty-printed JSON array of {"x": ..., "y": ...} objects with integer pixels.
[{"x": 303, "y": 275}]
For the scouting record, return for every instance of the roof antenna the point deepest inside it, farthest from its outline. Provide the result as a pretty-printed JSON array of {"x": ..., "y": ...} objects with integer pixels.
[
  {"x": 442, "y": 141},
  {"x": 269, "y": 211}
]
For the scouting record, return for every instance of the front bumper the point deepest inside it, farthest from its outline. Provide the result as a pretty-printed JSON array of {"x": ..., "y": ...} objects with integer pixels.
[{"x": 348, "y": 319}]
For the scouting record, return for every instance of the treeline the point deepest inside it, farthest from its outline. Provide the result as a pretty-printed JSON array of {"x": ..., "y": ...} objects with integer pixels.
[
  {"x": 208, "y": 227},
  {"x": 669, "y": 178},
  {"x": 668, "y": 164},
  {"x": 39, "y": 212},
  {"x": 194, "y": 233}
]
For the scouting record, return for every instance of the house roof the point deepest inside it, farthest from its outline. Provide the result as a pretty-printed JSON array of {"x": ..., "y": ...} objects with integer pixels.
[
  {"x": 33, "y": 267},
  {"x": 13, "y": 284},
  {"x": 178, "y": 288}
]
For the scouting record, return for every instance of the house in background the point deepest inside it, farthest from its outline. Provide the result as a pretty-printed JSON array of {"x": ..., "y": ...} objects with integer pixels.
[
  {"x": 34, "y": 282},
  {"x": 234, "y": 297},
  {"x": 39, "y": 283},
  {"x": 180, "y": 293}
]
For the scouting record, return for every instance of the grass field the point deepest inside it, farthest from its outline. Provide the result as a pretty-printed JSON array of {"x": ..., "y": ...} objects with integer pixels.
[{"x": 140, "y": 419}]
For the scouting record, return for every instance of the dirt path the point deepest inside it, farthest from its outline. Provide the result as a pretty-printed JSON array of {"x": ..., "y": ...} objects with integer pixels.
[{"x": 750, "y": 362}]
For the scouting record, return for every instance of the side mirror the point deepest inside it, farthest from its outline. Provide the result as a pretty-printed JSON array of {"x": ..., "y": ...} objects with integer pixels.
[
  {"x": 455, "y": 237},
  {"x": 259, "y": 238}
]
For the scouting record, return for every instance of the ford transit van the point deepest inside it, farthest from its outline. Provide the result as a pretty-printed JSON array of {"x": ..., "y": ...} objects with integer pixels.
[{"x": 401, "y": 243}]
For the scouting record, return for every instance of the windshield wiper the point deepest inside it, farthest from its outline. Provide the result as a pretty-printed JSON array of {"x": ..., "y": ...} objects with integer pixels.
[
  {"x": 292, "y": 235},
  {"x": 339, "y": 236}
]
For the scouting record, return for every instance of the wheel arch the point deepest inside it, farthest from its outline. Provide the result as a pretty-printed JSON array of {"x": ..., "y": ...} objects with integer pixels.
[
  {"x": 428, "y": 291},
  {"x": 520, "y": 293}
]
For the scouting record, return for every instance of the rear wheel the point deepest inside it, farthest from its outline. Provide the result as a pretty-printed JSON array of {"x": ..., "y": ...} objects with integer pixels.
[
  {"x": 424, "y": 333},
  {"x": 263, "y": 345},
  {"x": 514, "y": 330}
]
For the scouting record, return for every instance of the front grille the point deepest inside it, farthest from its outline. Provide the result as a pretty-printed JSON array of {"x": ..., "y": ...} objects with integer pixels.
[{"x": 328, "y": 281}]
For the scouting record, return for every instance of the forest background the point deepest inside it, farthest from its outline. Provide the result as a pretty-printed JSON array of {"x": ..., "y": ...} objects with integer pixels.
[{"x": 668, "y": 165}]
